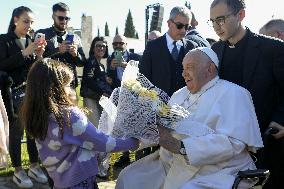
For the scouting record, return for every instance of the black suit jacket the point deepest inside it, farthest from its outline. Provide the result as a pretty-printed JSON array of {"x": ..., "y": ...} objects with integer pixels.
[
  {"x": 158, "y": 65},
  {"x": 112, "y": 73},
  {"x": 263, "y": 76}
]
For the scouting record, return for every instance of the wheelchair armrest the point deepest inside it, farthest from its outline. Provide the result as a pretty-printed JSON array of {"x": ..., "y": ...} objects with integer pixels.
[
  {"x": 262, "y": 174},
  {"x": 253, "y": 173}
]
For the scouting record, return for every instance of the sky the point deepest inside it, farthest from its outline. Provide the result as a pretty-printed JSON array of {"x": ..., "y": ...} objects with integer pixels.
[{"x": 114, "y": 12}]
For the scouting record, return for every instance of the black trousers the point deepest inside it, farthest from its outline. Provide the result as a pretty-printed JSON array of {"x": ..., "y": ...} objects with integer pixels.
[
  {"x": 15, "y": 137},
  {"x": 15, "y": 129}
]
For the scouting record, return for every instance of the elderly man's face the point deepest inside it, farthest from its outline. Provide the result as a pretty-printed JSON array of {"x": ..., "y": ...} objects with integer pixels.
[
  {"x": 195, "y": 72},
  {"x": 119, "y": 43},
  {"x": 178, "y": 27}
]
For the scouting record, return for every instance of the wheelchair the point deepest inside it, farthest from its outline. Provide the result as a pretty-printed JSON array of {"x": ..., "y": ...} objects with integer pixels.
[{"x": 261, "y": 174}]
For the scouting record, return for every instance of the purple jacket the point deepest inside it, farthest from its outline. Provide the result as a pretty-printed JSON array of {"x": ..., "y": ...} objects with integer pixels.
[{"x": 74, "y": 158}]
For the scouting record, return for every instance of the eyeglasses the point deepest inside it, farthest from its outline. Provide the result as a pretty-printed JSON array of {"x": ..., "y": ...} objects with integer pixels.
[
  {"x": 100, "y": 46},
  {"x": 180, "y": 25},
  {"x": 220, "y": 21},
  {"x": 118, "y": 43},
  {"x": 62, "y": 18}
]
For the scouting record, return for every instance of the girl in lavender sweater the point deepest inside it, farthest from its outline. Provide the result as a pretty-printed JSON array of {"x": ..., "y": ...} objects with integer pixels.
[{"x": 67, "y": 142}]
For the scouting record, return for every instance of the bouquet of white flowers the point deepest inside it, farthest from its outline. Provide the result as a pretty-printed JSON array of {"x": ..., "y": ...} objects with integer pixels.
[{"x": 137, "y": 107}]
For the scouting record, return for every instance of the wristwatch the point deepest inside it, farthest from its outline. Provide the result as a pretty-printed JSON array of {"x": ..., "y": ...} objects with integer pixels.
[{"x": 182, "y": 149}]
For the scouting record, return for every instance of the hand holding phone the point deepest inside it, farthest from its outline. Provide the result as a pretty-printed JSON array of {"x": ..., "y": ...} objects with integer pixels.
[{"x": 39, "y": 38}]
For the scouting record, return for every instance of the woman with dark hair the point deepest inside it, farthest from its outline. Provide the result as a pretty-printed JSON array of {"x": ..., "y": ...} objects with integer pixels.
[
  {"x": 95, "y": 82},
  {"x": 67, "y": 142},
  {"x": 17, "y": 53}
]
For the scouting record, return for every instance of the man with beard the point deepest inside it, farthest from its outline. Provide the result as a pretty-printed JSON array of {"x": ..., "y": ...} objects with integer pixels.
[
  {"x": 71, "y": 53},
  {"x": 116, "y": 67}
]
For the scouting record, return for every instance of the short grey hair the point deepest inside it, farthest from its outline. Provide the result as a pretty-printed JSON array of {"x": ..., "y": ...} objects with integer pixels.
[
  {"x": 180, "y": 10},
  {"x": 274, "y": 25}
]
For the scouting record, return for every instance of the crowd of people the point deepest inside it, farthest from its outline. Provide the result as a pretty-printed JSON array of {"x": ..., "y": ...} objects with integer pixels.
[{"x": 233, "y": 89}]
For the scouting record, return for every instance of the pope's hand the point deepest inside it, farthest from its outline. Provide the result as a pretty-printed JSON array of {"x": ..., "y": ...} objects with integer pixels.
[
  {"x": 167, "y": 141},
  {"x": 280, "y": 133}
]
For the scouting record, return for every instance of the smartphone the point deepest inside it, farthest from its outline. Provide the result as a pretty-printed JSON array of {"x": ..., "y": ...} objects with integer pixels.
[
  {"x": 69, "y": 38},
  {"x": 39, "y": 37},
  {"x": 118, "y": 56}
]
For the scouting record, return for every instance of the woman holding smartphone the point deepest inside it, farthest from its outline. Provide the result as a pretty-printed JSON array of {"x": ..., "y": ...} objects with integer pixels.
[{"x": 17, "y": 53}]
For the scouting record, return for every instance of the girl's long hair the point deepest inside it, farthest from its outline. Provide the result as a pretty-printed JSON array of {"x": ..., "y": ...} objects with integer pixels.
[
  {"x": 45, "y": 96},
  {"x": 17, "y": 12}
]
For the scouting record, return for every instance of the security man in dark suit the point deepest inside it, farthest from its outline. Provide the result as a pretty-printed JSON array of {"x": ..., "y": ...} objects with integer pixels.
[
  {"x": 162, "y": 59},
  {"x": 256, "y": 63}
]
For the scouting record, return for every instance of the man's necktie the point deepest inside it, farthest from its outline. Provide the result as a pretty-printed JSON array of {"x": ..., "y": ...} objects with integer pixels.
[{"x": 175, "y": 51}]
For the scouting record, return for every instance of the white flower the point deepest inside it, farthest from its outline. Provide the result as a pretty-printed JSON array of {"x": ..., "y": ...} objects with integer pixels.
[
  {"x": 136, "y": 87},
  {"x": 65, "y": 165},
  {"x": 54, "y": 145}
]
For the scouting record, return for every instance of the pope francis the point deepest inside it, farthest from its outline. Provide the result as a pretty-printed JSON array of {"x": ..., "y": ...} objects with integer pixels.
[{"x": 212, "y": 145}]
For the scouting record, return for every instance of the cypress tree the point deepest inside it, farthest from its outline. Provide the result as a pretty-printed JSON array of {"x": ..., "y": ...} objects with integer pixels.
[
  {"x": 106, "y": 30},
  {"x": 116, "y": 30},
  {"x": 129, "y": 27}
]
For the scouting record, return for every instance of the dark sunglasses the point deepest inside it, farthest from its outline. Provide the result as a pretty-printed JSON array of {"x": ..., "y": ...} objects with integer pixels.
[
  {"x": 100, "y": 46},
  {"x": 62, "y": 18},
  {"x": 180, "y": 25},
  {"x": 118, "y": 43}
]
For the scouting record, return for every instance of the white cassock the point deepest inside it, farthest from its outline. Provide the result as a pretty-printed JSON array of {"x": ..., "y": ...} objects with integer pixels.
[{"x": 221, "y": 129}]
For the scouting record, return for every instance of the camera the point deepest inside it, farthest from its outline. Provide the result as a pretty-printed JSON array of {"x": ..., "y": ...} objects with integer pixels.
[{"x": 40, "y": 37}]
